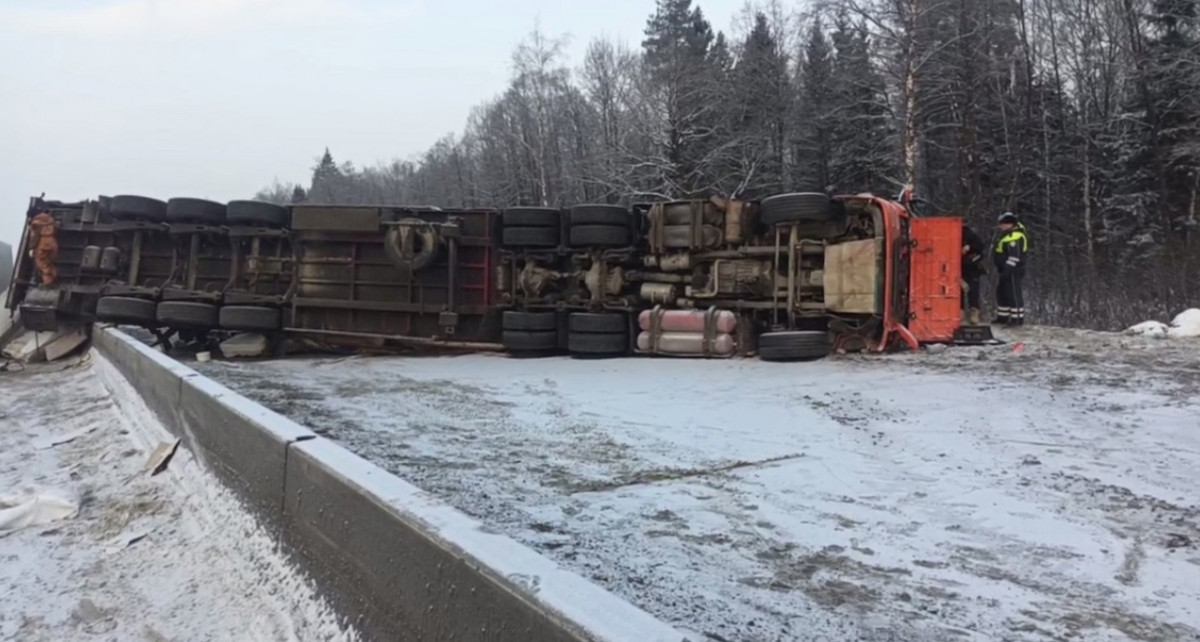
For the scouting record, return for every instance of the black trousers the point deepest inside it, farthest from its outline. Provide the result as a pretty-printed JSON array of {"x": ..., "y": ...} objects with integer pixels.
[
  {"x": 973, "y": 295},
  {"x": 1010, "y": 299}
]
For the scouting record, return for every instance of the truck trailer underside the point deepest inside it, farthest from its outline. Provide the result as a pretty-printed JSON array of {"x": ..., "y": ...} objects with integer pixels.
[{"x": 793, "y": 276}]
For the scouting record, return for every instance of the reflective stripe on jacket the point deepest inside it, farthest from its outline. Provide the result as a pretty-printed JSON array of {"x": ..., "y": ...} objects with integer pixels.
[{"x": 1011, "y": 250}]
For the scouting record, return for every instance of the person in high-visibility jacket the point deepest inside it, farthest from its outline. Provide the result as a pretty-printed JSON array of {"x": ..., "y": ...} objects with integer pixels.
[
  {"x": 1011, "y": 252},
  {"x": 43, "y": 242}
]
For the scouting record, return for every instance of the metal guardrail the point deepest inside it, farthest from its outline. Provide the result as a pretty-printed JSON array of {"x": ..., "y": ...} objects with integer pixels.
[{"x": 395, "y": 561}]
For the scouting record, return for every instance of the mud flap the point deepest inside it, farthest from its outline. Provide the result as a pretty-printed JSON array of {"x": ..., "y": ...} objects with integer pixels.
[
  {"x": 975, "y": 335},
  {"x": 39, "y": 310}
]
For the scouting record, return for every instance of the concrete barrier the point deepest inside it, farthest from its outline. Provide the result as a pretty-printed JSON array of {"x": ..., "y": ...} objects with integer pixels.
[{"x": 398, "y": 563}]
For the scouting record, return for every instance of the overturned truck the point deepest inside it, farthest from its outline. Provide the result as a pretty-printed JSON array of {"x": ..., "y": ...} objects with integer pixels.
[{"x": 792, "y": 276}]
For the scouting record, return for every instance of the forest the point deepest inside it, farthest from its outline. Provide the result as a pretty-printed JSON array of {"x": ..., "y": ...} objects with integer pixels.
[{"x": 1080, "y": 116}]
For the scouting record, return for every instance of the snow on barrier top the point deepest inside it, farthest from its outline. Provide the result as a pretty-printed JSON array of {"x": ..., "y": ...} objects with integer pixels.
[{"x": 397, "y": 561}]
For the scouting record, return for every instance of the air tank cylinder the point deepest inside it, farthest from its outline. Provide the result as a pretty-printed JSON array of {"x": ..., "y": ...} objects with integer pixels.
[
  {"x": 90, "y": 261},
  {"x": 110, "y": 260}
]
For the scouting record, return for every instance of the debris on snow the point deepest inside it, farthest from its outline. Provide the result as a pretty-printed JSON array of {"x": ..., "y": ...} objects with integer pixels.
[
  {"x": 246, "y": 344},
  {"x": 161, "y": 457},
  {"x": 36, "y": 509},
  {"x": 1185, "y": 325},
  {"x": 1152, "y": 329},
  {"x": 42, "y": 444}
]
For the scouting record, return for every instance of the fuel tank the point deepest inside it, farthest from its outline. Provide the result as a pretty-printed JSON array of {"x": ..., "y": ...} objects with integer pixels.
[
  {"x": 688, "y": 320},
  {"x": 687, "y": 344}
]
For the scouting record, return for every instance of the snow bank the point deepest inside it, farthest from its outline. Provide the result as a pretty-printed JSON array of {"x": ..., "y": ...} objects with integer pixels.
[
  {"x": 93, "y": 548},
  {"x": 1186, "y": 324}
]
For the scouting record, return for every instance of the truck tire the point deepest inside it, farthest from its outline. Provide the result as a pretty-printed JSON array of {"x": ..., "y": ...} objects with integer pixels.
[
  {"x": 530, "y": 217},
  {"x": 526, "y": 341},
  {"x": 793, "y": 345},
  {"x": 599, "y": 236},
  {"x": 799, "y": 207},
  {"x": 195, "y": 210},
  {"x": 599, "y": 214},
  {"x": 187, "y": 314},
  {"x": 125, "y": 310},
  {"x": 517, "y": 237},
  {"x": 248, "y": 318},
  {"x": 256, "y": 214},
  {"x": 529, "y": 321},
  {"x": 137, "y": 208},
  {"x": 593, "y": 322},
  {"x": 596, "y": 344},
  {"x": 598, "y": 333}
]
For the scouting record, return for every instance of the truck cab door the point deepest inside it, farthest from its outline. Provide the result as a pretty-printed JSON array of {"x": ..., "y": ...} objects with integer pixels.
[{"x": 935, "y": 278}]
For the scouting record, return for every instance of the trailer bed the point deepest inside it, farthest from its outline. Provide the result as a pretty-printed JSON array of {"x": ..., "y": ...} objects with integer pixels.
[{"x": 974, "y": 494}]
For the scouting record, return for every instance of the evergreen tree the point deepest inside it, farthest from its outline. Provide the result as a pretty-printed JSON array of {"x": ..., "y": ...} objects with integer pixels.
[
  {"x": 861, "y": 140},
  {"x": 816, "y": 111},
  {"x": 679, "y": 64},
  {"x": 326, "y": 180},
  {"x": 761, "y": 100}
]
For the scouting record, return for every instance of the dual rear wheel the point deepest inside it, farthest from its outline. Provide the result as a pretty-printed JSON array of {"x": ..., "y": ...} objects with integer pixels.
[
  {"x": 587, "y": 333},
  {"x": 186, "y": 315},
  {"x": 595, "y": 226},
  {"x": 128, "y": 207}
]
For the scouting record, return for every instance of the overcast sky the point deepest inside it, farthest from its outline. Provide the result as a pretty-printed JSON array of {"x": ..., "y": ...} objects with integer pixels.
[{"x": 215, "y": 98}]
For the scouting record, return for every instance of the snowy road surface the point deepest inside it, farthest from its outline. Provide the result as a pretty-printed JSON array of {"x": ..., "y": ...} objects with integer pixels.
[
  {"x": 146, "y": 558},
  {"x": 967, "y": 494}
]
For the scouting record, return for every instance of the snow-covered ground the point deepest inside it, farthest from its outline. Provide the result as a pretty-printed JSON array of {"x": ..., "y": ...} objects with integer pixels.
[
  {"x": 1041, "y": 490},
  {"x": 154, "y": 558}
]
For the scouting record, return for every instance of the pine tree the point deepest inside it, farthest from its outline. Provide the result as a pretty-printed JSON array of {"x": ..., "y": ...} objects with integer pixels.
[
  {"x": 816, "y": 112},
  {"x": 761, "y": 97},
  {"x": 326, "y": 180},
  {"x": 677, "y": 56},
  {"x": 861, "y": 139}
]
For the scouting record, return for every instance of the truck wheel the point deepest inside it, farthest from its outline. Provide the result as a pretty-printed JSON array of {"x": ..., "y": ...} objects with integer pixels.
[
  {"x": 187, "y": 314},
  {"x": 598, "y": 333},
  {"x": 529, "y": 237},
  {"x": 793, "y": 345},
  {"x": 529, "y": 321},
  {"x": 195, "y": 210},
  {"x": 526, "y": 341},
  {"x": 597, "y": 323},
  {"x": 248, "y": 318},
  {"x": 530, "y": 217},
  {"x": 599, "y": 236},
  {"x": 137, "y": 208},
  {"x": 125, "y": 310},
  {"x": 256, "y": 213},
  {"x": 595, "y": 214},
  {"x": 597, "y": 344},
  {"x": 800, "y": 207}
]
